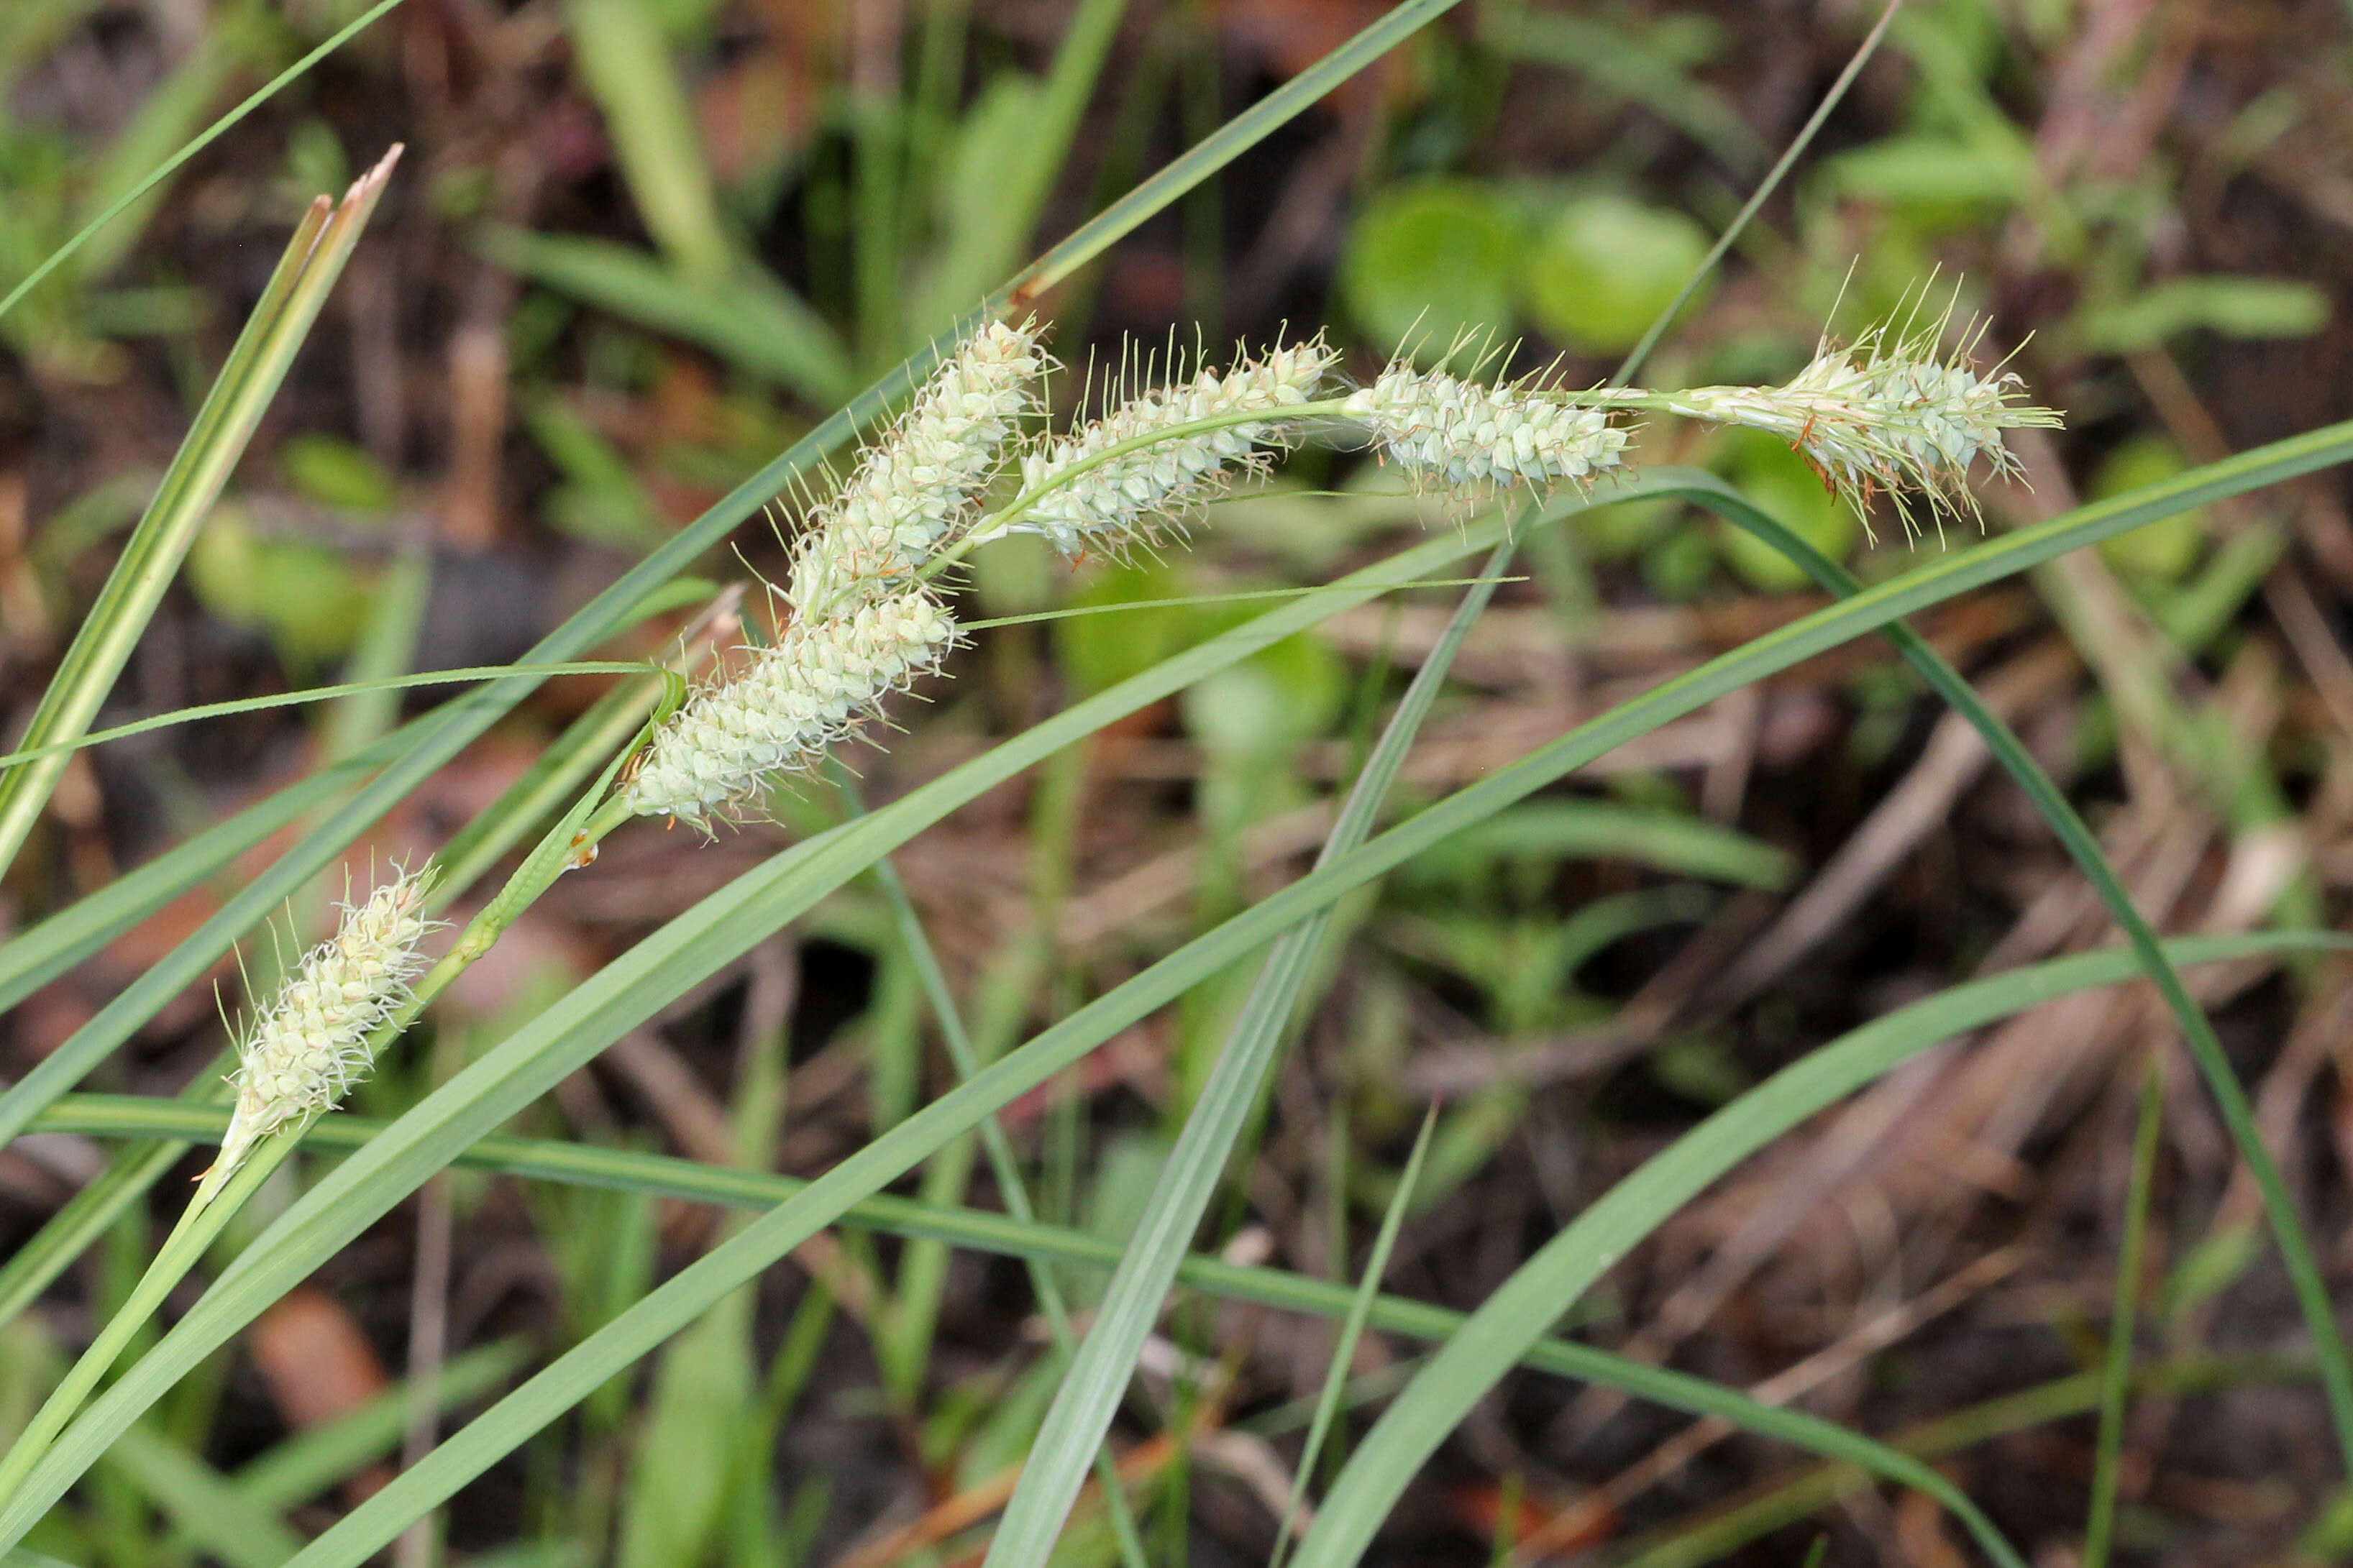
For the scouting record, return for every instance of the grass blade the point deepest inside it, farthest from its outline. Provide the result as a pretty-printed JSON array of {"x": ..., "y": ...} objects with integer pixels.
[
  {"x": 1083, "y": 1408},
  {"x": 202, "y": 1504},
  {"x": 999, "y": 227},
  {"x": 309, "y": 694},
  {"x": 2116, "y": 1376},
  {"x": 1352, "y": 1330},
  {"x": 164, "y": 170},
  {"x": 1467, "y": 1366},
  {"x": 2083, "y": 846},
  {"x": 1013, "y": 1192},
  {"x": 264, "y": 351}
]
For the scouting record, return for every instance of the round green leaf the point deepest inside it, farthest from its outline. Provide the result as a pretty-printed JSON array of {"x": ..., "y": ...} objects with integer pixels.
[
  {"x": 1786, "y": 486},
  {"x": 1430, "y": 260},
  {"x": 1600, "y": 274},
  {"x": 2165, "y": 551}
]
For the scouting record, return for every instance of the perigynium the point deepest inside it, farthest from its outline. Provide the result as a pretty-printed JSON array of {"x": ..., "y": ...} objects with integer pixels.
[{"x": 305, "y": 1050}]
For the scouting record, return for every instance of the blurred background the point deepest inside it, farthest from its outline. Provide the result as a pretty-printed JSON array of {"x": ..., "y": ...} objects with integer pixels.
[{"x": 636, "y": 247}]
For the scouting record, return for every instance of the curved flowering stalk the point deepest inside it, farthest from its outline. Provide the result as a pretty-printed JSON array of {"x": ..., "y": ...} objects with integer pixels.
[
  {"x": 1886, "y": 415},
  {"x": 305, "y": 1052},
  {"x": 1112, "y": 484},
  {"x": 914, "y": 485}
]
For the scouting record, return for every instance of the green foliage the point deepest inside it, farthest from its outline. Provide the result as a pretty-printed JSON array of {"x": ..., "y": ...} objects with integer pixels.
[
  {"x": 1477, "y": 874},
  {"x": 310, "y": 598},
  {"x": 2163, "y": 552},
  {"x": 1606, "y": 267},
  {"x": 335, "y": 473},
  {"x": 1786, "y": 486},
  {"x": 2234, "y": 306},
  {"x": 1430, "y": 260}
]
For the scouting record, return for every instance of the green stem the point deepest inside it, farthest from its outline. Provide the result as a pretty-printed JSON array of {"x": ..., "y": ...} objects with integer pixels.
[
  {"x": 219, "y": 1196},
  {"x": 2116, "y": 1381},
  {"x": 1002, "y": 1162}
]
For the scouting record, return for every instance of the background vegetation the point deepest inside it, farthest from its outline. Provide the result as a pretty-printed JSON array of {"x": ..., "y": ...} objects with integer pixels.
[{"x": 636, "y": 249}]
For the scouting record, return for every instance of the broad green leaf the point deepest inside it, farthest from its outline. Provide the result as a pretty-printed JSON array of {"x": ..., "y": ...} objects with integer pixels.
[
  {"x": 1430, "y": 260},
  {"x": 2234, "y": 306},
  {"x": 1606, "y": 268},
  {"x": 2163, "y": 552}
]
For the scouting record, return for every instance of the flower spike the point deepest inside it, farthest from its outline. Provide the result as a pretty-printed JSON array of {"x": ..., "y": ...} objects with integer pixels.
[
  {"x": 912, "y": 486},
  {"x": 1127, "y": 499},
  {"x": 815, "y": 684},
  {"x": 1887, "y": 414},
  {"x": 313, "y": 1043},
  {"x": 1449, "y": 431}
]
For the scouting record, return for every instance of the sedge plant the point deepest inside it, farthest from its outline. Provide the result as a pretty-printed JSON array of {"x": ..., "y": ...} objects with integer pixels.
[
  {"x": 866, "y": 611},
  {"x": 864, "y": 615}
]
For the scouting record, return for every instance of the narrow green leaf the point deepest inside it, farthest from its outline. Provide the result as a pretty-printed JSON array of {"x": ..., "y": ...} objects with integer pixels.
[
  {"x": 1517, "y": 1312},
  {"x": 290, "y": 303},
  {"x": 2297, "y": 1250},
  {"x": 201, "y": 1502},
  {"x": 299, "y": 1466},
  {"x": 164, "y": 170},
  {"x": 2115, "y": 1375},
  {"x": 1083, "y": 1408},
  {"x": 624, "y": 993},
  {"x": 309, "y": 694},
  {"x": 1352, "y": 1330}
]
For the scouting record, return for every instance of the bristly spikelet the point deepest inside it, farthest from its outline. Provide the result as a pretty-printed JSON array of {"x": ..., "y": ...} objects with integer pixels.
[
  {"x": 302, "y": 1055},
  {"x": 911, "y": 487},
  {"x": 1458, "y": 433},
  {"x": 799, "y": 696},
  {"x": 1125, "y": 499},
  {"x": 1887, "y": 415}
]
